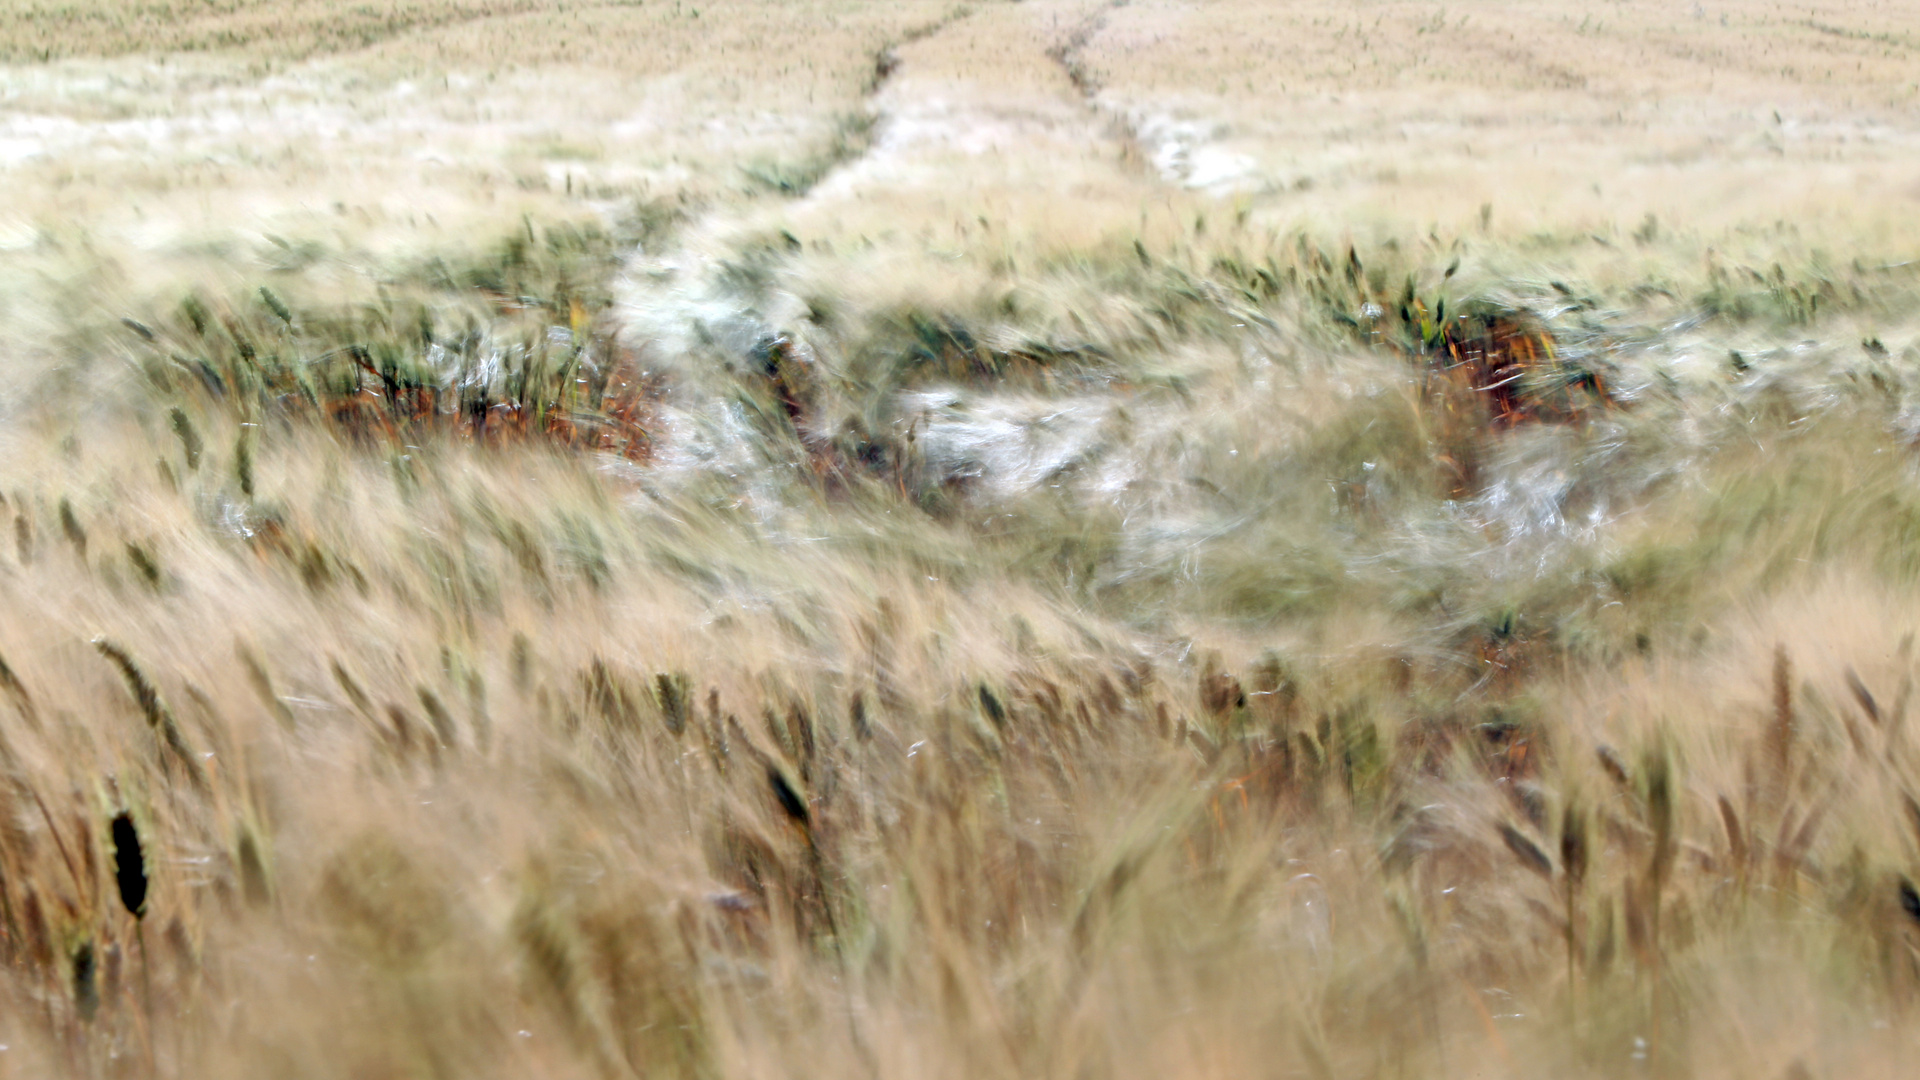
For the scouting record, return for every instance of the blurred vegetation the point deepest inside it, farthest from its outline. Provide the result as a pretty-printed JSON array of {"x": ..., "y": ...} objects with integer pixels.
[
  {"x": 758, "y": 645},
  {"x": 508, "y": 346},
  {"x": 451, "y": 698}
]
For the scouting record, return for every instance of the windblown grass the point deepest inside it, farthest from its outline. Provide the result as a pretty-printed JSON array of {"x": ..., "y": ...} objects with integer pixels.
[
  {"x": 890, "y": 605},
  {"x": 916, "y": 761}
]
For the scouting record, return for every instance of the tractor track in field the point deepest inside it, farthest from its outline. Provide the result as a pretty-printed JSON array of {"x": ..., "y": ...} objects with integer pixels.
[
  {"x": 933, "y": 122},
  {"x": 1067, "y": 54}
]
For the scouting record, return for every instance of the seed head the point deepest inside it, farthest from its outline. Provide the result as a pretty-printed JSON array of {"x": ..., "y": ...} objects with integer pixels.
[
  {"x": 129, "y": 864},
  {"x": 791, "y": 802},
  {"x": 86, "y": 988}
]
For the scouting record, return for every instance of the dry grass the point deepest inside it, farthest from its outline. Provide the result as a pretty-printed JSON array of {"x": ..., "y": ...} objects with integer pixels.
[{"x": 1013, "y": 540}]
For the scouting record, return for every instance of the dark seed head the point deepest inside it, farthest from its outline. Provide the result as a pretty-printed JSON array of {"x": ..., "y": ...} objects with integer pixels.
[
  {"x": 70, "y": 524},
  {"x": 1660, "y": 816},
  {"x": 1863, "y": 696},
  {"x": 129, "y": 864},
  {"x": 254, "y": 884},
  {"x": 862, "y": 727},
  {"x": 142, "y": 687},
  {"x": 996, "y": 712},
  {"x": 1909, "y": 900},
  {"x": 1615, "y": 768},
  {"x": 35, "y": 934},
  {"x": 1573, "y": 844},
  {"x": 86, "y": 989},
  {"x": 791, "y": 803},
  {"x": 1526, "y": 851}
]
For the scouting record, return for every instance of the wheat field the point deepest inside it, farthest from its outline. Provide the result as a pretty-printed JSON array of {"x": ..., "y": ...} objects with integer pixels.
[{"x": 1044, "y": 539}]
